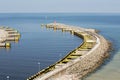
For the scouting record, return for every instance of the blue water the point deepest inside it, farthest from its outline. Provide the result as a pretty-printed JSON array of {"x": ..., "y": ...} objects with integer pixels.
[{"x": 47, "y": 46}]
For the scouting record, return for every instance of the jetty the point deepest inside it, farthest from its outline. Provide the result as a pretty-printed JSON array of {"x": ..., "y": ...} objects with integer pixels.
[
  {"x": 7, "y": 35},
  {"x": 79, "y": 62}
]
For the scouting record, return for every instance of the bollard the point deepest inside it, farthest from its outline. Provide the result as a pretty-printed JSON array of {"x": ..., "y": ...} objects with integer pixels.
[
  {"x": 63, "y": 30},
  {"x": 54, "y": 28},
  {"x": 7, "y": 45}
]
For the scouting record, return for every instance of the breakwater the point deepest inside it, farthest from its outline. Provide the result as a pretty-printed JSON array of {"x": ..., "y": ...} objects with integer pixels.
[
  {"x": 79, "y": 62},
  {"x": 7, "y": 35}
]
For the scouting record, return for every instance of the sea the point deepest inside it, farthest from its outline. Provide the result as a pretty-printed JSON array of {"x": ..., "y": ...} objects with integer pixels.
[{"x": 39, "y": 47}]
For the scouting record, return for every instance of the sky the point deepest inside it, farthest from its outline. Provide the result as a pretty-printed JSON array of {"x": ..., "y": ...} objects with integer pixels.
[{"x": 53, "y": 6}]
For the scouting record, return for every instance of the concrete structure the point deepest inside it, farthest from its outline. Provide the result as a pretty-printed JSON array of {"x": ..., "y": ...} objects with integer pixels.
[
  {"x": 8, "y": 34},
  {"x": 79, "y": 62}
]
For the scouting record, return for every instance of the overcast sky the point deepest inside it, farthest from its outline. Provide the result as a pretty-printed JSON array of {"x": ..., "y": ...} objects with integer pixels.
[{"x": 60, "y": 6}]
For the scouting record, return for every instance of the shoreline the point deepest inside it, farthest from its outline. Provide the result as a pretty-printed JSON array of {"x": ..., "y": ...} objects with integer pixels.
[{"x": 79, "y": 62}]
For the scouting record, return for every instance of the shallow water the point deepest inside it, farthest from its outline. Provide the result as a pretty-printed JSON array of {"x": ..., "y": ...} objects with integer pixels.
[
  {"x": 45, "y": 46},
  {"x": 110, "y": 69}
]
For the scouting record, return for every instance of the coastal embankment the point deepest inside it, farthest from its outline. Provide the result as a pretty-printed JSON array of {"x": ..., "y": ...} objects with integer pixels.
[
  {"x": 7, "y": 35},
  {"x": 80, "y": 61}
]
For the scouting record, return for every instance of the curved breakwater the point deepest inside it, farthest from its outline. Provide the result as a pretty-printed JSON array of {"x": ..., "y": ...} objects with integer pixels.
[{"x": 79, "y": 62}]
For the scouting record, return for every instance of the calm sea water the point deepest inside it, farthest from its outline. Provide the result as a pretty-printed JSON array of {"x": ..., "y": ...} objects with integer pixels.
[{"x": 46, "y": 46}]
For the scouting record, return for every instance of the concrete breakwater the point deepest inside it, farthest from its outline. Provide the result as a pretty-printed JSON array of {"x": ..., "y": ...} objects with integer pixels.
[
  {"x": 79, "y": 62},
  {"x": 6, "y": 35}
]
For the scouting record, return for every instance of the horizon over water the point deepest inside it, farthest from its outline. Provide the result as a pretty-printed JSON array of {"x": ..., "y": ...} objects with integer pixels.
[{"x": 45, "y": 45}]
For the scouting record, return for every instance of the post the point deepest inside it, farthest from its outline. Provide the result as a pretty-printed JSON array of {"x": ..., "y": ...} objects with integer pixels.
[
  {"x": 38, "y": 66},
  {"x": 60, "y": 55},
  {"x": 72, "y": 32},
  {"x": 54, "y": 27},
  {"x": 8, "y": 77},
  {"x": 62, "y": 29}
]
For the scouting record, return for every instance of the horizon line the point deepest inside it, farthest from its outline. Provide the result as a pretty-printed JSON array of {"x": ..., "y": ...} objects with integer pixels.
[{"x": 62, "y": 12}]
